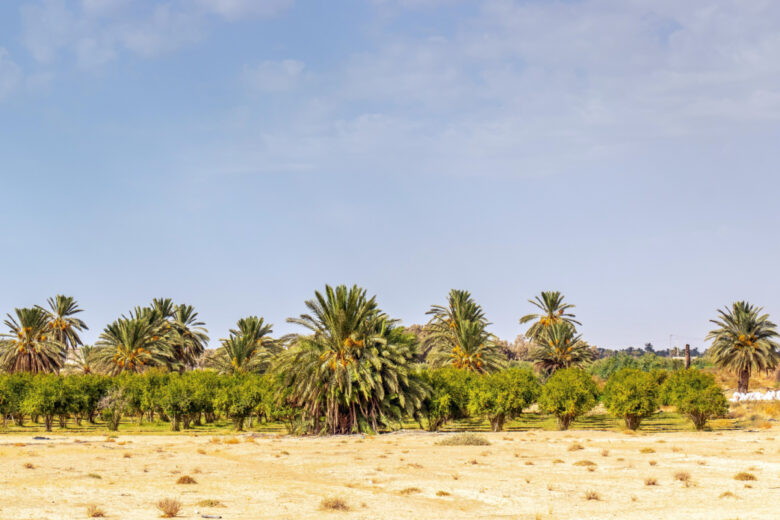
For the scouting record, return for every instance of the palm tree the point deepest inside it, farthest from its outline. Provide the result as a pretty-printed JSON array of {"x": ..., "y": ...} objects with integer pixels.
[
  {"x": 458, "y": 336},
  {"x": 553, "y": 310},
  {"x": 30, "y": 345},
  {"x": 189, "y": 336},
  {"x": 353, "y": 371},
  {"x": 84, "y": 359},
  {"x": 744, "y": 342},
  {"x": 249, "y": 348},
  {"x": 558, "y": 347},
  {"x": 133, "y": 344},
  {"x": 63, "y": 323}
]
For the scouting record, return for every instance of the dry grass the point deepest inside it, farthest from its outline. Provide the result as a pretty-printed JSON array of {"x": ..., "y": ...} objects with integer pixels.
[
  {"x": 684, "y": 477},
  {"x": 653, "y": 462},
  {"x": 592, "y": 495},
  {"x": 464, "y": 439},
  {"x": 744, "y": 475},
  {"x": 94, "y": 511},
  {"x": 334, "y": 504},
  {"x": 210, "y": 503},
  {"x": 29, "y": 465},
  {"x": 651, "y": 482},
  {"x": 232, "y": 440},
  {"x": 127, "y": 455},
  {"x": 576, "y": 446},
  {"x": 410, "y": 491},
  {"x": 169, "y": 507},
  {"x": 727, "y": 494},
  {"x": 186, "y": 479},
  {"x": 605, "y": 453},
  {"x": 647, "y": 450},
  {"x": 94, "y": 475},
  {"x": 442, "y": 494},
  {"x": 584, "y": 463}
]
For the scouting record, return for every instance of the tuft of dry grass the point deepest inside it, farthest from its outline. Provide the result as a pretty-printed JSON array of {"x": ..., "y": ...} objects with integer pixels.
[
  {"x": 727, "y": 494},
  {"x": 605, "y": 453},
  {"x": 557, "y": 461},
  {"x": 169, "y": 507},
  {"x": 410, "y": 491},
  {"x": 584, "y": 463},
  {"x": 29, "y": 465},
  {"x": 186, "y": 479},
  {"x": 94, "y": 511},
  {"x": 651, "y": 482},
  {"x": 201, "y": 451},
  {"x": 464, "y": 439},
  {"x": 127, "y": 455},
  {"x": 647, "y": 450},
  {"x": 744, "y": 475},
  {"x": 334, "y": 504},
  {"x": 576, "y": 446},
  {"x": 653, "y": 462},
  {"x": 232, "y": 440},
  {"x": 94, "y": 475},
  {"x": 592, "y": 495},
  {"x": 684, "y": 477},
  {"x": 442, "y": 494}
]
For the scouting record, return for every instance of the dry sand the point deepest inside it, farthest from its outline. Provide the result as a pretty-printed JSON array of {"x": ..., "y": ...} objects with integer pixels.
[{"x": 399, "y": 476}]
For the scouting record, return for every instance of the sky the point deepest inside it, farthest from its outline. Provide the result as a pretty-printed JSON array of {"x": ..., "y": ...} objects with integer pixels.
[{"x": 237, "y": 155}]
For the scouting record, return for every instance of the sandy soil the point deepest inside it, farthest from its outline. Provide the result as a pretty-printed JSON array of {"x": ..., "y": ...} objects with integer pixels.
[{"x": 400, "y": 476}]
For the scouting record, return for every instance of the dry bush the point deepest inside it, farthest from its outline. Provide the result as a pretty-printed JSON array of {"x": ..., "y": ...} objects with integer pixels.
[
  {"x": 592, "y": 495},
  {"x": 410, "y": 491},
  {"x": 201, "y": 451},
  {"x": 232, "y": 440},
  {"x": 29, "y": 465},
  {"x": 605, "y": 453},
  {"x": 584, "y": 463},
  {"x": 651, "y": 482},
  {"x": 464, "y": 439},
  {"x": 334, "y": 504},
  {"x": 557, "y": 461},
  {"x": 727, "y": 494},
  {"x": 127, "y": 455},
  {"x": 94, "y": 475},
  {"x": 442, "y": 494},
  {"x": 186, "y": 479},
  {"x": 94, "y": 511},
  {"x": 576, "y": 446},
  {"x": 529, "y": 463},
  {"x": 647, "y": 450},
  {"x": 169, "y": 507},
  {"x": 744, "y": 475}
]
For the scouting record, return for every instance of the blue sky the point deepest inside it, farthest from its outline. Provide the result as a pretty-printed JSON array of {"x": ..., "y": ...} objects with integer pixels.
[{"x": 239, "y": 154}]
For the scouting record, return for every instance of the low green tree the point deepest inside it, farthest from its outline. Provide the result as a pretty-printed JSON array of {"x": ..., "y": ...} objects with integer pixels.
[
  {"x": 503, "y": 395},
  {"x": 238, "y": 398},
  {"x": 631, "y": 395},
  {"x": 47, "y": 397},
  {"x": 175, "y": 399},
  {"x": 448, "y": 398},
  {"x": 696, "y": 394},
  {"x": 568, "y": 394}
]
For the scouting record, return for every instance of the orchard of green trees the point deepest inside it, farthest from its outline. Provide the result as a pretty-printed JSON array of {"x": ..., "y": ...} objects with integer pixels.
[{"x": 352, "y": 368}]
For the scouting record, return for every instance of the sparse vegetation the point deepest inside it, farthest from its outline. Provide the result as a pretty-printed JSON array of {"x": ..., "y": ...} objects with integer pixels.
[
  {"x": 744, "y": 476},
  {"x": 94, "y": 511},
  {"x": 169, "y": 507},
  {"x": 464, "y": 439},
  {"x": 334, "y": 504}
]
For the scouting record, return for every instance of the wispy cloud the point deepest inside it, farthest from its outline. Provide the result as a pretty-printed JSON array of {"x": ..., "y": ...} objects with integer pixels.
[
  {"x": 274, "y": 76},
  {"x": 97, "y": 31},
  {"x": 10, "y": 74}
]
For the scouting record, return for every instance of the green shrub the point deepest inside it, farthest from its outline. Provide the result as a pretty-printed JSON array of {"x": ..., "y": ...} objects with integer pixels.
[
  {"x": 567, "y": 394},
  {"x": 695, "y": 394},
  {"x": 632, "y": 395},
  {"x": 503, "y": 395}
]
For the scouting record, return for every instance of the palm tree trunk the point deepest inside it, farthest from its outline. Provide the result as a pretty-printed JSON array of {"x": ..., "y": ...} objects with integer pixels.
[{"x": 744, "y": 380}]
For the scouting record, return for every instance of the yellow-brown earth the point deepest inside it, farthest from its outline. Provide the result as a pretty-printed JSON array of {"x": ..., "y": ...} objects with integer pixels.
[{"x": 533, "y": 474}]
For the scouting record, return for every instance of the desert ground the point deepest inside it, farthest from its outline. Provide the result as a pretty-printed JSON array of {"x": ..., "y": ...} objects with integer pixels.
[{"x": 527, "y": 474}]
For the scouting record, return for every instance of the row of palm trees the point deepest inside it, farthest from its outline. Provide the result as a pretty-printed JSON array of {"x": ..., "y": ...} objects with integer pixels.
[{"x": 171, "y": 336}]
